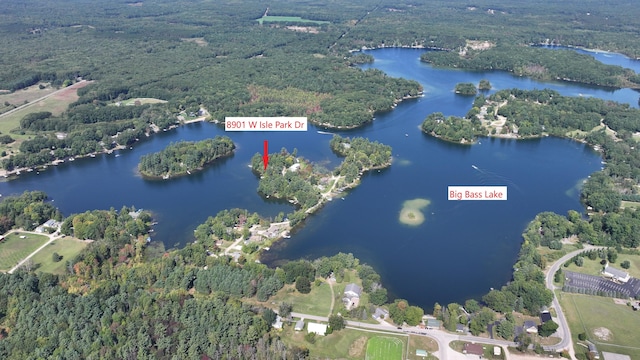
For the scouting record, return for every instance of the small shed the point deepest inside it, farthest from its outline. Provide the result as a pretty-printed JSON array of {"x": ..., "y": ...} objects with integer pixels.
[{"x": 299, "y": 325}]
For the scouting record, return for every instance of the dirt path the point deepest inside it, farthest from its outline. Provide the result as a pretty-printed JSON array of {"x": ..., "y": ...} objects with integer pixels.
[
  {"x": 51, "y": 239},
  {"x": 333, "y": 297}
]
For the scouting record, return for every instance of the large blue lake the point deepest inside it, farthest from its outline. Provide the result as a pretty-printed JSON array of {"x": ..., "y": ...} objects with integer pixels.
[{"x": 460, "y": 251}]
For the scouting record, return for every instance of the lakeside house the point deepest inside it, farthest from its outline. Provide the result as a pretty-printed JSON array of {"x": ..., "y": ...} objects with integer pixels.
[
  {"x": 615, "y": 274},
  {"x": 433, "y": 324},
  {"x": 380, "y": 314},
  {"x": 351, "y": 297},
  {"x": 49, "y": 224}
]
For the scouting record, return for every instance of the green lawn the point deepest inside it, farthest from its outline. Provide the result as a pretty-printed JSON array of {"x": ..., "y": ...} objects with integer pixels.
[
  {"x": 384, "y": 348},
  {"x": 67, "y": 247},
  {"x": 269, "y": 18},
  {"x": 343, "y": 344},
  {"x": 595, "y": 316},
  {"x": 421, "y": 343},
  {"x": 593, "y": 267},
  {"x": 317, "y": 302},
  {"x": 13, "y": 248}
]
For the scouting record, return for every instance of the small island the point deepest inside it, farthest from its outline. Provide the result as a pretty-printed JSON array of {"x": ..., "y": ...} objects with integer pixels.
[
  {"x": 185, "y": 157},
  {"x": 411, "y": 213},
  {"x": 466, "y": 89},
  {"x": 484, "y": 85}
]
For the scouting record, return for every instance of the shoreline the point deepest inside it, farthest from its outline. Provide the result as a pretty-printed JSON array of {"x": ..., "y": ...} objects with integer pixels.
[{"x": 182, "y": 174}]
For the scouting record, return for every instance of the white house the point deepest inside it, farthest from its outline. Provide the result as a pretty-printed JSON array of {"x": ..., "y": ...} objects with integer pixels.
[
  {"x": 615, "y": 274},
  {"x": 318, "y": 329}
]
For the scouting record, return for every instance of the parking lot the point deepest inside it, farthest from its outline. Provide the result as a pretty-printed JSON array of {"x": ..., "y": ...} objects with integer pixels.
[{"x": 597, "y": 284}]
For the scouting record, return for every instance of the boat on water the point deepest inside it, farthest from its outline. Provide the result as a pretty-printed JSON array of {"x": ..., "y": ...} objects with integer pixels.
[
  {"x": 475, "y": 167},
  {"x": 324, "y": 132}
]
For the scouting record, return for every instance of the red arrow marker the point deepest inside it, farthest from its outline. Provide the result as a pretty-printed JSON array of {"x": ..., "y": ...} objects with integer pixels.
[{"x": 265, "y": 157}]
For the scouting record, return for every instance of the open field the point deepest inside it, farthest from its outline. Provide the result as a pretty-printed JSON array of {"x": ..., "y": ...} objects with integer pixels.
[
  {"x": 593, "y": 267},
  {"x": 269, "y": 18},
  {"x": 611, "y": 327},
  {"x": 344, "y": 344},
  {"x": 68, "y": 248},
  {"x": 421, "y": 343},
  {"x": 13, "y": 248},
  {"x": 317, "y": 302},
  {"x": 19, "y": 97},
  {"x": 384, "y": 348},
  {"x": 56, "y": 103}
]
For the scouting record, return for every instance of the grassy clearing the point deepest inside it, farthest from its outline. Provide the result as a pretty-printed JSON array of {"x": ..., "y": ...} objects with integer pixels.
[
  {"x": 317, "y": 302},
  {"x": 68, "y": 248},
  {"x": 143, "y": 101},
  {"x": 343, "y": 344},
  {"x": 593, "y": 267},
  {"x": 629, "y": 204},
  {"x": 13, "y": 248},
  {"x": 297, "y": 19},
  {"x": 594, "y": 315},
  {"x": 421, "y": 343},
  {"x": 384, "y": 348},
  {"x": 19, "y": 97}
]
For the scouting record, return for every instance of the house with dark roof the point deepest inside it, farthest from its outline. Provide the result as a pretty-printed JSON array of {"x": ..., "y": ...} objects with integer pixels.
[
  {"x": 473, "y": 349},
  {"x": 531, "y": 327},
  {"x": 299, "y": 325},
  {"x": 544, "y": 317},
  {"x": 615, "y": 274}
]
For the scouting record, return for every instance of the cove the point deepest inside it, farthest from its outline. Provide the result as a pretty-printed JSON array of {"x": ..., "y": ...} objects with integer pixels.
[{"x": 460, "y": 250}]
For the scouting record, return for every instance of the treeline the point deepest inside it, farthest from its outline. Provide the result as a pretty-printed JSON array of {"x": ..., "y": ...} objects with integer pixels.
[
  {"x": 538, "y": 63},
  {"x": 88, "y": 129},
  {"x": 360, "y": 155},
  {"x": 185, "y": 157},
  {"x": 26, "y": 211},
  {"x": 453, "y": 128}
]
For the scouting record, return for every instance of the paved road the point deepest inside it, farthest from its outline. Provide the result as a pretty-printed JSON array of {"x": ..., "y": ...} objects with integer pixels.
[
  {"x": 51, "y": 239},
  {"x": 563, "y": 329},
  {"x": 443, "y": 338}
]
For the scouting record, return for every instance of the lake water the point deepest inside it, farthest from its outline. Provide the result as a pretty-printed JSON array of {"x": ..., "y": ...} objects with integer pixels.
[{"x": 460, "y": 251}]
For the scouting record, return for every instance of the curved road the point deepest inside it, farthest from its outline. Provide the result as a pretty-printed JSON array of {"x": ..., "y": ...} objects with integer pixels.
[{"x": 563, "y": 329}]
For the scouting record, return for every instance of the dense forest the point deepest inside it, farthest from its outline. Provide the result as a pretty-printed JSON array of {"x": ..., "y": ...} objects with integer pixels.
[
  {"x": 360, "y": 155},
  {"x": 122, "y": 298},
  {"x": 185, "y": 157},
  {"x": 466, "y": 89},
  {"x": 538, "y": 63},
  {"x": 26, "y": 211}
]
